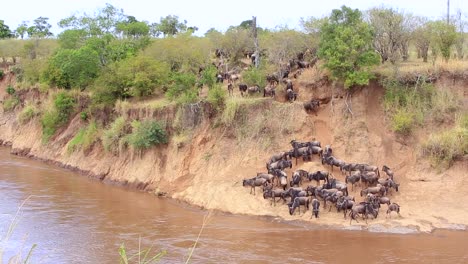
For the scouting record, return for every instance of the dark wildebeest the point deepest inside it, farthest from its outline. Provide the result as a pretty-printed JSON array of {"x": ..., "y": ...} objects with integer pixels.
[
  {"x": 315, "y": 208},
  {"x": 280, "y": 156},
  {"x": 353, "y": 179},
  {"x": 367, "y": 167},
  {"x": 333, "y": 183},
  {"x": 291, "y": 95},
  {"x": 393, "y": 207},
  {"x": 364, "y": 209},
  {"x": 318, "y": 176},
  {"x": 348, "y": 167},
  {"x": 253, "y": 89},
  {"x": 298, "y": 201},
  {"x": 303, "y": 64},
  {"x": 219, "y": 78},
  {"x": 269, "y": 91},
  {"x": 369, "y": 178},
  {"x": 230, "y": 89},
  {"x": 380, "y": 190},
  {"x": 266, "y": 176},
  {"x": 242, "y": 88},
  {"x": 316, "y": 150},
  {"x": 327, "y": 152},
  {"x": 282, "y": 178},
  {"x": 384, "y": 200},
  {"x": 389, "y": 184},
  {"x": 254, "y": 182},
  {"x": 234, "y": 77},
  {"x": 289, "y": 85},
  {"x": 332, "y": 161},
  {"x": 388, "y": 171},
  {"x": 312, "y": 106},
  {"x": 280, "y": 164},
  {"x": 294, "y": 192},
  {"x": 297, "y": 177},
  {"x": 273, "y": 194},
  {"x": 303, "y": 152},
  {"x": 272, "y": 79}
]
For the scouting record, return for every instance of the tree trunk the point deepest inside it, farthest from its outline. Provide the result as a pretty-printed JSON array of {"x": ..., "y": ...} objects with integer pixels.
[{"x": 254, "y": 31}]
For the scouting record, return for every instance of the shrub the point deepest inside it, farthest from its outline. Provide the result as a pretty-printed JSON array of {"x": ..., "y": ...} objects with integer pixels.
[
  {"x": 217, "y": 98},
  {"x": 27, "y": 114},
  {"x": 10, "y": 103},
  {"x": 112, "y": 137},
  {"x": 403, "y": 121},
  {"x": 208, "y": 76},
  {"x": 182, "y": 88},
  {"x": 255, "y": 76},
  {"x": 64, "y": 105},
  {"x": 1, "y": 74},
  {"x": 146, "y": 134},
  {"x": 445, "y": 147},
  {"x": 84, "y": 139},
  {"x": 84, "y": 116},
  {"x": 10, "y": 90}
]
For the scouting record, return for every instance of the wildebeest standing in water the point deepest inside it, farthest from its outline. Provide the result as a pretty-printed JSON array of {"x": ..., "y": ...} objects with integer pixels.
[{"x": 315, "y": 208}]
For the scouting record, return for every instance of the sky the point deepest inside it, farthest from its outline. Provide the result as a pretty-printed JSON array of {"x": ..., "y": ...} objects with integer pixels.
[{"x": 206, "y": 14}]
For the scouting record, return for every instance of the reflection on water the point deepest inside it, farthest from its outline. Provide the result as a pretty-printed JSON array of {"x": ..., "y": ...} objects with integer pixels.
[{"x": 76, "y": 220}]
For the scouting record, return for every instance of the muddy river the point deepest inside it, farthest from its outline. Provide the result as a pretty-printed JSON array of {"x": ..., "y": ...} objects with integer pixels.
[{"x": 73, "y": 219}]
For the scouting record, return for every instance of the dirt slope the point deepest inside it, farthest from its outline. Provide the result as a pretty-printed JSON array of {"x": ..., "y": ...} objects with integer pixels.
[{"x": 208, "y": 170}]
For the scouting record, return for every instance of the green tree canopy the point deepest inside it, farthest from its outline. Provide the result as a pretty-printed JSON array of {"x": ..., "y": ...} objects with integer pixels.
[
  {"x": 345, "y": 45},
  {"x": 444, "y": 36},
  {"x": 5, "y": 31}
]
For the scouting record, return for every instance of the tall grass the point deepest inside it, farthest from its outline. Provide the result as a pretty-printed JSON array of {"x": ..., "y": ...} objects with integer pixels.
[
  {"x": 28, "y": 113},
  {"x": 18, "y": 258},
  {"x": 143, "y": 256},
  {"x": 443, "y": 148},
  {"x": 113, "y": 137},
  {"x": 84, "y": 139}
]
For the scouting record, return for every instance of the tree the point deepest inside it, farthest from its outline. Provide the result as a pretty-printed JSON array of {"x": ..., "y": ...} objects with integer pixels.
[
  {"x": 460, "y": 25},
  {"x": 346, "y": 47},
  {"x": 22, "y": 29},
  {"x": 422, "y": 37},
  {"x": 444, "y": 36},
  {"x": 42, "y": 28},
  {"x": 387, "y": 25},
  {"x": 132, "y": 28},
  {"x": 5, "y": 31},
  {"x": 170, "y": 25},
  {"x": 72, "y": 38}
]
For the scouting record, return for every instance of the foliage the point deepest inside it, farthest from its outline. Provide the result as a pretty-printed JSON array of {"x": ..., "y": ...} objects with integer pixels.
[
  {"x": 136, "y": 76},
  {"x": 1, "y": 74},
  {"x": 444, "y": 36},
  {"x": 63, "y": 107},
  {"x": 217, "y": 97},
  {"x": 10, "y": 103},
  {"x": 255, "y": 76},
  {"x": 447, "y": 146},
  {"x": 235, "y": 41},
  {"x": 84, "y": 139},
  {"x": 141, "y": 257},
  {"x": 208, "y": 76},
  {"x": 345, "y": 47},
  {"x": 147, "y": 133},
  {"x": 422, "y": 37},
  {"x": 112, "y": 138},
  {"x": 72, "y": 68},
  {"x": 182, "y": 88},
  {"x": 169, "y": 26},
  {"x": 5, "y": 31},
  {"x": 403, "y": 121},
  {"x": 84, "y": 116},
  {"x": 27, "y": 114},
  {"x": 72, "y": 38},
  {"x": 22, "y": 29},
  {"x": 10, "y": 90}
]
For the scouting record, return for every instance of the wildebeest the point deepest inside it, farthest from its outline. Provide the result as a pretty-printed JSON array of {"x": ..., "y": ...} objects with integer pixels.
[
  {"x": 280, "y": 164},
  {"x": 369, "y": 178},
  {"x": 393, "y": 207},
  {"x": 344, "y": 204},
  {"x": 388, "y": 171},
  {"x": 315, "y": 208},
  {"x": 273, "y": 194},
  {"x": 389, "y": 184},
  {"x": 319, "y": 176},
  {"x": 291, "y": 95},
  {"x": 303, "y": 64},
  {"x": 219, "y": 78},
  {"x": 303, "y": 152},
  {"x": 234, "y": 77},
  {"x": 289, "y": 85},
  {"x": 348, "y": 167},
  {"x": 253, "y": 89},
  {"x": 298, "y": 201},
  {"x": 230, "y": 89},
  {"x": 312, "y": 106},
  {"x": 332, "y": 161},
  {"x": 266, "y": 176},
  {"x": 282, "y": 178},
  {"x": 269, "y": 91},
  {"x": 364, "y": 209},
  {"x": 279, "y": 156},
  {"x": 242, "y": 88},
  {"x": 380, "y": 190},
  {"x": 367, "y": 167},
  {"x": 254, "y": 182},
  {"x": 353, "y": 179},
  {"x": 297, "y": 177},
  {"x": 333, "y": 183}
]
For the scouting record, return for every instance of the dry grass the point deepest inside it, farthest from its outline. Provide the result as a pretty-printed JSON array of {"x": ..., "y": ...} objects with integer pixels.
[{"x": 411, "y": 68}]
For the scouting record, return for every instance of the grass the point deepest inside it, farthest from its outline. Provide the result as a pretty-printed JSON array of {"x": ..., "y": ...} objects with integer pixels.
[
  {"x": 113, "y": 139},
  {"x": 28, "y": 113},
  {"x": 10, "y": 103},
  {"x": 443, "y": 148},
  {"x": 18, "y": 258},
  {"x": 234, "y": 106},
  {"x": 84, "y": 139},
  {"x": 145, "y": 256}
]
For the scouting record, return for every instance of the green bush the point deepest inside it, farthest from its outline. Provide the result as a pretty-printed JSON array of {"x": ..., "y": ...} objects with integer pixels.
[
  {"x": 10, "y": 103},
  {"x": 255, "y": 76},
  {"x": 84, "y": 139},
  {"x": 208, "y": 76},
  {"x": 1, "y": 74},
  {"x": 112, "y": 137},
  {"x": 217, "y": 98},
  {"x": 27, "y": 114},
  {"x": 10, "y": 90},
  {"x": 146, "y": 134},
  {"x": 445, "y": 147},
  {"x": 182, "y": 88},
  {"x": 64, "y": 106},
  {"x": 403, "y": 121},
  {"x": 84, "y": 116}
]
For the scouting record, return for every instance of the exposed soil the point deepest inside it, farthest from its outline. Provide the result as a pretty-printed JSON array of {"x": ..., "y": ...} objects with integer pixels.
[{"x": 208, "y": 169}]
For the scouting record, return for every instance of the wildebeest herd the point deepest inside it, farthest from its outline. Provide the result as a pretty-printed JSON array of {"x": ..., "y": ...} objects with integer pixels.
[{"x": 297, "y": 191}]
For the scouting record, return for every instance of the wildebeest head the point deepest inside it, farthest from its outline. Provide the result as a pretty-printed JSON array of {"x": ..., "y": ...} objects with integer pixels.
[{"x": 246, "y": 182}]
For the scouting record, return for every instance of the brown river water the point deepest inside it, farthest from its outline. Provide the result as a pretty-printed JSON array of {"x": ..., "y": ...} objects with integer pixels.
[{"x": 73, "y": 219}]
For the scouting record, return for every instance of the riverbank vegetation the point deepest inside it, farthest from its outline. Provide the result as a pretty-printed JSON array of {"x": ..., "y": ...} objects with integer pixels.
[{"x": 103, "y": 66}]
